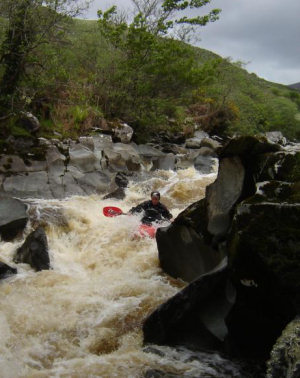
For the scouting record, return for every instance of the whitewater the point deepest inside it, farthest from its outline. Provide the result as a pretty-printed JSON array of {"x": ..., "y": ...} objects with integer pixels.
[{"x": 83, "y": 318}]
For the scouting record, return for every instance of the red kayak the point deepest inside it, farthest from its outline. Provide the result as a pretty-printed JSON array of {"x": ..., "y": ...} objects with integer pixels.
[{"x": 144, "y": 230}]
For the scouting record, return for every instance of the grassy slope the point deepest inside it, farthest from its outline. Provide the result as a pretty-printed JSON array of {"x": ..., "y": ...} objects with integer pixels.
[{"x": 260, "y": 105}]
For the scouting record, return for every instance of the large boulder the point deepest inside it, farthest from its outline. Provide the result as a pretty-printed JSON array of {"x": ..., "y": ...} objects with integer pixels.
[
  {"x": 184, "y": 247},
  {"x": 195, "y": 317},
  {"x": 264, "y": 261},
  {"x": 34, "y": 251},
  {"x": 82, "y": 158},
  {"x": 29, "y": 185},
  {"x": 223, "y": 194},
  {"x": 13, "y": 217}
]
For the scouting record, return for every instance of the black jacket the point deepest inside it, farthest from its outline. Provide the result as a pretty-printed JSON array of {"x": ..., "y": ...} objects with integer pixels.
[{"x": 153, "y": 213}]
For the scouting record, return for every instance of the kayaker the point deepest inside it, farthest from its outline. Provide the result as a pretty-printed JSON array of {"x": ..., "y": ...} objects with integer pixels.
[{"x": 154, "y": 210}]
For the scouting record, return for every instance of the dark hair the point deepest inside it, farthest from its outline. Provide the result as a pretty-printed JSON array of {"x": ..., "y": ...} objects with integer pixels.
[{"x": 155, "y": 194}]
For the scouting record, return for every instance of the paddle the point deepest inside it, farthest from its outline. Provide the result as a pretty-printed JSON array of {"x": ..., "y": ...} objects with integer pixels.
[{"x": 112, "y": 211}]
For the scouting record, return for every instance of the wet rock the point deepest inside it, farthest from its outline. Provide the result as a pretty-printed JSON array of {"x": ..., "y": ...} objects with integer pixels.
[
  {"x": 6, "y": 270},
  {"x": 264, "y": 260},
  {"x": 34, "y": 251},
  {"x": 13, "y": 217},
  {"x": 195, "y": 316},
  {"x": 94, "y": 182},
  {"x": 183, "y": 252},
  {"x": 82, "y": 158},
  {"x": 223, "y": 194},
  {"x": 205, "y": 164},
  {"x": 30, "y": 185},
  {"x": 285, "y": 360}
]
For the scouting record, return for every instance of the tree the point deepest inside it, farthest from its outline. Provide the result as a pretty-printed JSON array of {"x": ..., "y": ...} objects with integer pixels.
[
  {"x": 31, "y": 23},
  {"x": 155, "y": 71}
]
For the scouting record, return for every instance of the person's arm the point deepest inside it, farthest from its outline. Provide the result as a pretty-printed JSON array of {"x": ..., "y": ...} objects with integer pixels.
[
  {"x": 138, "y": 209},
  {"x": 166, "y": 213}
]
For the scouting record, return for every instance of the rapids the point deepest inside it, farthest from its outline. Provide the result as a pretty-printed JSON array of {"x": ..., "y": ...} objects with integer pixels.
[{"x": 83, "y": 317}]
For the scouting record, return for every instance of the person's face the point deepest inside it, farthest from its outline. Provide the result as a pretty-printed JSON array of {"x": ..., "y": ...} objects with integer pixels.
[{"x": 155, "y": 200}]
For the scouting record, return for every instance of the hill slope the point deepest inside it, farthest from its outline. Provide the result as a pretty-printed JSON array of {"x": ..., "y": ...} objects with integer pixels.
[{"x": 78, "y": 84}]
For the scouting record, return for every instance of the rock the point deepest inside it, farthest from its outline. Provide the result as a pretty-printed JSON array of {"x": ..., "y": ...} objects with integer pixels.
[
  {"x": 193, "y": 143},
  {"x": 13, "y": 217},
  {"x": 12, "y": 163},
  {"x": 123, "y": 133},
  {"x": 6, "y": 270},
  {"x": 210, "y": 143},
  {"x": 34, "y": 251},
  {"x": 276, "y": 137},
  {"x": 285, "y": 360},
  {"x": 119, "y": 193},
  {"x": 166, "y": 162},
  {"x": 82, "y": 158},
  {"x": 31, "y": 185},
  {"x": 183, "y": 252},
  {"x": 247, "y": 146},
  {"x": 281, "y": 166},
  {"x": 223, "y": 194},
  {"x": 195, "y": 316},
  {"x": 29, "y": 122},
  {"x": 70, "y": 185},
  {"x": 264, "y": 260},
  {"x": 94, "y": 182},
  {"x": 205, "y": 164}
]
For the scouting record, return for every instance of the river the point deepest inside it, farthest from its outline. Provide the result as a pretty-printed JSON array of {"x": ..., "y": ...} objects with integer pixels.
[{"x": 83, "y": 317}]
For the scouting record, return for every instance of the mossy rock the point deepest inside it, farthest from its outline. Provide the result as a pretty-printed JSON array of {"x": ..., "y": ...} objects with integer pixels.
[
  {"x": 264, "y": 245},
  {"x": 248, "y": 145},
  {"x": 195, "y": 216},
  {"x": 277, "y": 191},
  {"x": 280, "y": 166}
]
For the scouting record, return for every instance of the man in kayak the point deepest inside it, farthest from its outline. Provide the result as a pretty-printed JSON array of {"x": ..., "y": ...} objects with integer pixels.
[{"x": 154, "y": 210}]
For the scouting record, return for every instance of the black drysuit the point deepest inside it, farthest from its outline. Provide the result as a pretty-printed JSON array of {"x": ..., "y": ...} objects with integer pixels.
[{"x": 152, "y": 213}]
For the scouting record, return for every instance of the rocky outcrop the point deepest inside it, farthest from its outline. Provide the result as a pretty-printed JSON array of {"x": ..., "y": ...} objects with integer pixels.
[
  {"x": 13, "y": 217},
  {"x": 252, "y": 214},
  {"x": 59, "y": 169},
  {"x": 34, "y": 251},
  {"x": 195, "y": 317}
]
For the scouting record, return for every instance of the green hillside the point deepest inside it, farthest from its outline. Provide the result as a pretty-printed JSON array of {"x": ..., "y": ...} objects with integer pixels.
[{"x": 84, "y": 79}]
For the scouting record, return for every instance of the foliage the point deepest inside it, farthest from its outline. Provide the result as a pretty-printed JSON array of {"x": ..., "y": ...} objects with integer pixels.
[
  {"x": 31, "y": 23},
  {"x": 84, "y": 71}
]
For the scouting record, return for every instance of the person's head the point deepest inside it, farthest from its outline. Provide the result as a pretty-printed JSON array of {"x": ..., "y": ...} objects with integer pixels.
[{"x": 155, "y": 197}]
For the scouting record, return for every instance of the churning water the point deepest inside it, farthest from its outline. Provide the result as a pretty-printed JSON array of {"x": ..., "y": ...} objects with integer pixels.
[{"x": 83, "y": 318}]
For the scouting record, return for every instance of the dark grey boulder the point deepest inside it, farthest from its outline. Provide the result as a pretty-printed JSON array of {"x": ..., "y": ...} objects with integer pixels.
[
  {"x": 264, "y": 261},
  {"x": 183, "y": 252},
  {"x": 195, "y": 317},
  {"x": 205, "y": 164},
  {"x": 34, "y": 251},
  {"x": 13, "y": 217},
  {"x": 6, "y": 270}
]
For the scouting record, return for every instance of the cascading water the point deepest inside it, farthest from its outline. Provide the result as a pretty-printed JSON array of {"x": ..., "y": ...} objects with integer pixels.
[{"x": 83, "y": 317}]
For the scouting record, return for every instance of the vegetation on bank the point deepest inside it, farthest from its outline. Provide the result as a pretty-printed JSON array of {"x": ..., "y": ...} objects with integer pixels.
[{"x": 75, "y": 75}]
